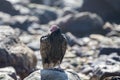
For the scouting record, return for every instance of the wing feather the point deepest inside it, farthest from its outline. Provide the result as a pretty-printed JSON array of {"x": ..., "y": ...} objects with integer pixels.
[
  {"x": 64, "y": 47},
  {"x": 45, "y": 49}
]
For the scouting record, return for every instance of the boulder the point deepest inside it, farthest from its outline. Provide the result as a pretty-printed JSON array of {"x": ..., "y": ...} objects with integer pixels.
[
  {"x": 109, "y": 10},
  {"x": 114, "y": 4},
  {"x": 81, "y": 24},
  {"x": 52, "y": 74},
  {"x": 14, "y": 53}
]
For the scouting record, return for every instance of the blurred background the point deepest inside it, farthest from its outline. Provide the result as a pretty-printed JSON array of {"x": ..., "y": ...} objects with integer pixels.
[{"x": 92, "y": 28}]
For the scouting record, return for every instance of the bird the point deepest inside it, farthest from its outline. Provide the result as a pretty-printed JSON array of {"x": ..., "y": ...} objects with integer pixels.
[{"x": 53, "y": 48}]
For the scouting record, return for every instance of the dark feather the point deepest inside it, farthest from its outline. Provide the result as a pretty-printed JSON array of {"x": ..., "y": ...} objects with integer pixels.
[{"x": 52, "y": 48}]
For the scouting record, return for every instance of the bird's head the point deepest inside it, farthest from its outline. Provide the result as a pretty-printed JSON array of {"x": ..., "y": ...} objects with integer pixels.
[{"x": 54, "y": 29}]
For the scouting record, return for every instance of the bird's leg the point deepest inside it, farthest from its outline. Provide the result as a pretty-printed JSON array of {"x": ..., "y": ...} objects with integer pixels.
[
  {"x": 51, "y": 65},
  {"x": 59, "y": 66},
  {"x": 45, "y": 66}
]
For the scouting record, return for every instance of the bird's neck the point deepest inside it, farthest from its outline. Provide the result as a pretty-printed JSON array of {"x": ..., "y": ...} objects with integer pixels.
[{"x": 57, "y": 32}]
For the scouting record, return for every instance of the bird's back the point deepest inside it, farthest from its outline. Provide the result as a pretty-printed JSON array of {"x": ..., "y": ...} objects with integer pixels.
[{"x": 52, "y": 49}]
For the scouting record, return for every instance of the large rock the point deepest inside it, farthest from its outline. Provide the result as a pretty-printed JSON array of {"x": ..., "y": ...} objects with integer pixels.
[
  {"x": 7, "y": 7},
  {"x": 81, "y": 24},
  {"x": 109, "y": 10},
  {"x": 115, "y": 4},
  {"x": 14, "y": 53},
  {"x": 52, "y": 74}
]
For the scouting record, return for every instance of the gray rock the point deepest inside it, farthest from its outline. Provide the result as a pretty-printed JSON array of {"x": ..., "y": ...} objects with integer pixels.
[
  {"x": 8, "y": 71},
  {"x": 22, "y": 22},
  {"x": 60, "y": 3},
  {"x": 7, "y": 9},
  {"x": 72, "y": 40},
  {"x": 114, "y": 4},
  {"x": 52, "y": 74},
  {"x": 68, "y": 10},
  {"x": 5, "y": 19},
  {"x": 116, "y": 78},
  {"x": 109, "y": 10},
  {"x": 14, "y": 53},
  {"x": 5, "y": 77},
  {"x": 35, "y": 45},
  {"x": 44, "y": 13},
  {"x": 81, "y": 24},
  {"x": 109, "y": 50}
]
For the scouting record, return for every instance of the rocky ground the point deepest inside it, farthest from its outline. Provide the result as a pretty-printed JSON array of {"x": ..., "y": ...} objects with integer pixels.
[{"x": 93, "y": 36}]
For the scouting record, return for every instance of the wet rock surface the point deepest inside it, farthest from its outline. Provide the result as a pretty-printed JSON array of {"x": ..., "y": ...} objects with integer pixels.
[{"x": 93, "y": 36}]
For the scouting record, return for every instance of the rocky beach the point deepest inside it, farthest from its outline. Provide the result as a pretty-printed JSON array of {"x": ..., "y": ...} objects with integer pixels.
[{"x": 91, "y": 27}]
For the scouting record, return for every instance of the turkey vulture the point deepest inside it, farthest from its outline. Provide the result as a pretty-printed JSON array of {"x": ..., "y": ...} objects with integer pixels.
[{"x": 52, "y": 48}]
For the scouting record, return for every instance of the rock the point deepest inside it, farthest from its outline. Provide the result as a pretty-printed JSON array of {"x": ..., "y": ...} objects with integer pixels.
[
  {"x": 104, "y": 8},
  {"x": 113, "y": 29},
  {"x": 83, "y": 76},
  {"x": 72, "y": 40},
  {"x": 7, "y": 9},
  {"x": 67, "y": 11},
  {"x": 60, "y": 3},
  {"x": 4, "y": 19},
  {"x": 115, "y": 78},
  {"x": 37, "y": 29},
  {"x": 5, "y": 77},
  {"x": 114, "y": 4},
  {"x": 108, "y": 26},
  {"x": 25, "y": 38},
  {"x": 105, "y": 66},
  {"x": 8, "y": 71},
  {"x": 81, "y": 24},
  {"x": 44, "y": 13},
  {"x": 35, "y": 45},
  {"x": 37, "y": 1},
  {"x": 109, "y": 50},
  {"x": 23, "y": 22},
  {"x": 21, "y": 2},
  {"x": 22, "y": 7},
  {"x": 52, "y": 74},
  {"x": 100, "y": 74},
  {"x": 74, "y": 4},
  {"x": 14, "y": 53}
]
